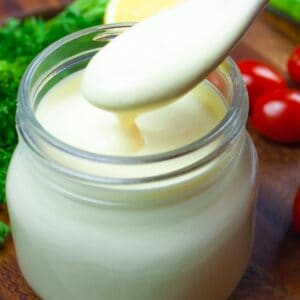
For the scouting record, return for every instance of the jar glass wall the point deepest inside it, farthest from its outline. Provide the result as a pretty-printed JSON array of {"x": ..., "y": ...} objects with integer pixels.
[{"x": 86, "y": 226}]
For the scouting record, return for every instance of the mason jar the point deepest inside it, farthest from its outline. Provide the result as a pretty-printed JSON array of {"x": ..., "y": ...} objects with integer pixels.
[{"x": 168, "y": 226}]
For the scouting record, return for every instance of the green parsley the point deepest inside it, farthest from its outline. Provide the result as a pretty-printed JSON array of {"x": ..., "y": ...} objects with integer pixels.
[
  {"x": 4, "y": 232},
  {"x": 290, "y": 8}
]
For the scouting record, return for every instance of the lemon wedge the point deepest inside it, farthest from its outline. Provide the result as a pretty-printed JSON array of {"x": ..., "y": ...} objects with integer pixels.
[{"x": 135, "y": 10}]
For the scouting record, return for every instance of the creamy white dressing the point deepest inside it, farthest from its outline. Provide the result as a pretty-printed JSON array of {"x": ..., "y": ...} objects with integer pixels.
[
  {"x": 169, "y": 252},
  {"x": 163, "y": 57},
  {"x": 202, "y": 230},
  {"x": 68, "y": 116}
]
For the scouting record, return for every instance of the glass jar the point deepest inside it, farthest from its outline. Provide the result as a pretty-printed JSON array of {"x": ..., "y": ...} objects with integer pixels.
[{"x": 86, "y": 226}]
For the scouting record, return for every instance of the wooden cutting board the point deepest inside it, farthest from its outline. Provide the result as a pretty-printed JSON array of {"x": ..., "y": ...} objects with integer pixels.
[{"x": 274, "y": 270}]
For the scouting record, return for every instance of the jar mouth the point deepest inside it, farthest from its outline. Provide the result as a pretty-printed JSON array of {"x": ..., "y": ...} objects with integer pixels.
[{"x": 228, "y": 129}]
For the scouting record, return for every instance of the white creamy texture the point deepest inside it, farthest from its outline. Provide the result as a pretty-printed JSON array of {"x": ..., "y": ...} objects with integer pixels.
[
  {"x": 161, "y": 58},
  {"x": 71, "y": 249},
  {"x": 195, "y": 248},
  {"x": 65, "y": 114}
]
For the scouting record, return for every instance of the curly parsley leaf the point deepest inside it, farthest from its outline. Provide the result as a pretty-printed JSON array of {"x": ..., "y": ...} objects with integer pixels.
[{"x": 4, "y": 232}]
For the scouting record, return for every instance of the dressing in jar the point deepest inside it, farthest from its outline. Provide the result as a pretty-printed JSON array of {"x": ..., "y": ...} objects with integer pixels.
[{"x": 167, "y": 217}]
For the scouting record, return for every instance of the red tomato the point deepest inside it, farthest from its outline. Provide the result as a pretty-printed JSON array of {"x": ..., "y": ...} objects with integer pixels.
[
  {"x": 294, "y": 65},
  {"x": 276, "y": 115},
  {"x": 296, "y": 211},
  {"x": 259, "y": 78}
]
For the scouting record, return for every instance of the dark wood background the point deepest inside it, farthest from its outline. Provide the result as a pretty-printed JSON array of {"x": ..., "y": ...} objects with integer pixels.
[{"x": 274, "y": 270}]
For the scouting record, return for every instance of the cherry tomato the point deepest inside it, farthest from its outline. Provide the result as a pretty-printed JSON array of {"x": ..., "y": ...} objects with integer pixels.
[
  {"x": 294, "y": 65},
  {"x": 296, "y": 211},
  {"x": 259, "y": 78},
  {"x": 276, "y": 115}
]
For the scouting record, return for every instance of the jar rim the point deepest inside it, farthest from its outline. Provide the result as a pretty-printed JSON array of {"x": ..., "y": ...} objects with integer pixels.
[{"x": 238, "y": 108}]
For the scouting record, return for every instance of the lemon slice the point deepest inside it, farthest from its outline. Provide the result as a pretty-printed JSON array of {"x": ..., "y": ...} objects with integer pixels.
[{"x": 135, "y": 10}]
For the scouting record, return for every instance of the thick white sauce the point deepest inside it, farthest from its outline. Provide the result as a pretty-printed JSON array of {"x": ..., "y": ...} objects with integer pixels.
[
  {"x": 196, "y": 248},
  {"x": 65, "y": 114},
  {"x": 163, "y": 57}
]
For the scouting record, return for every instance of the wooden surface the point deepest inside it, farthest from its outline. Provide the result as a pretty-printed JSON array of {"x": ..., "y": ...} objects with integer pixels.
[
  {"x": 22, "y": 8},
  {"x": 274, "y": 270}
]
